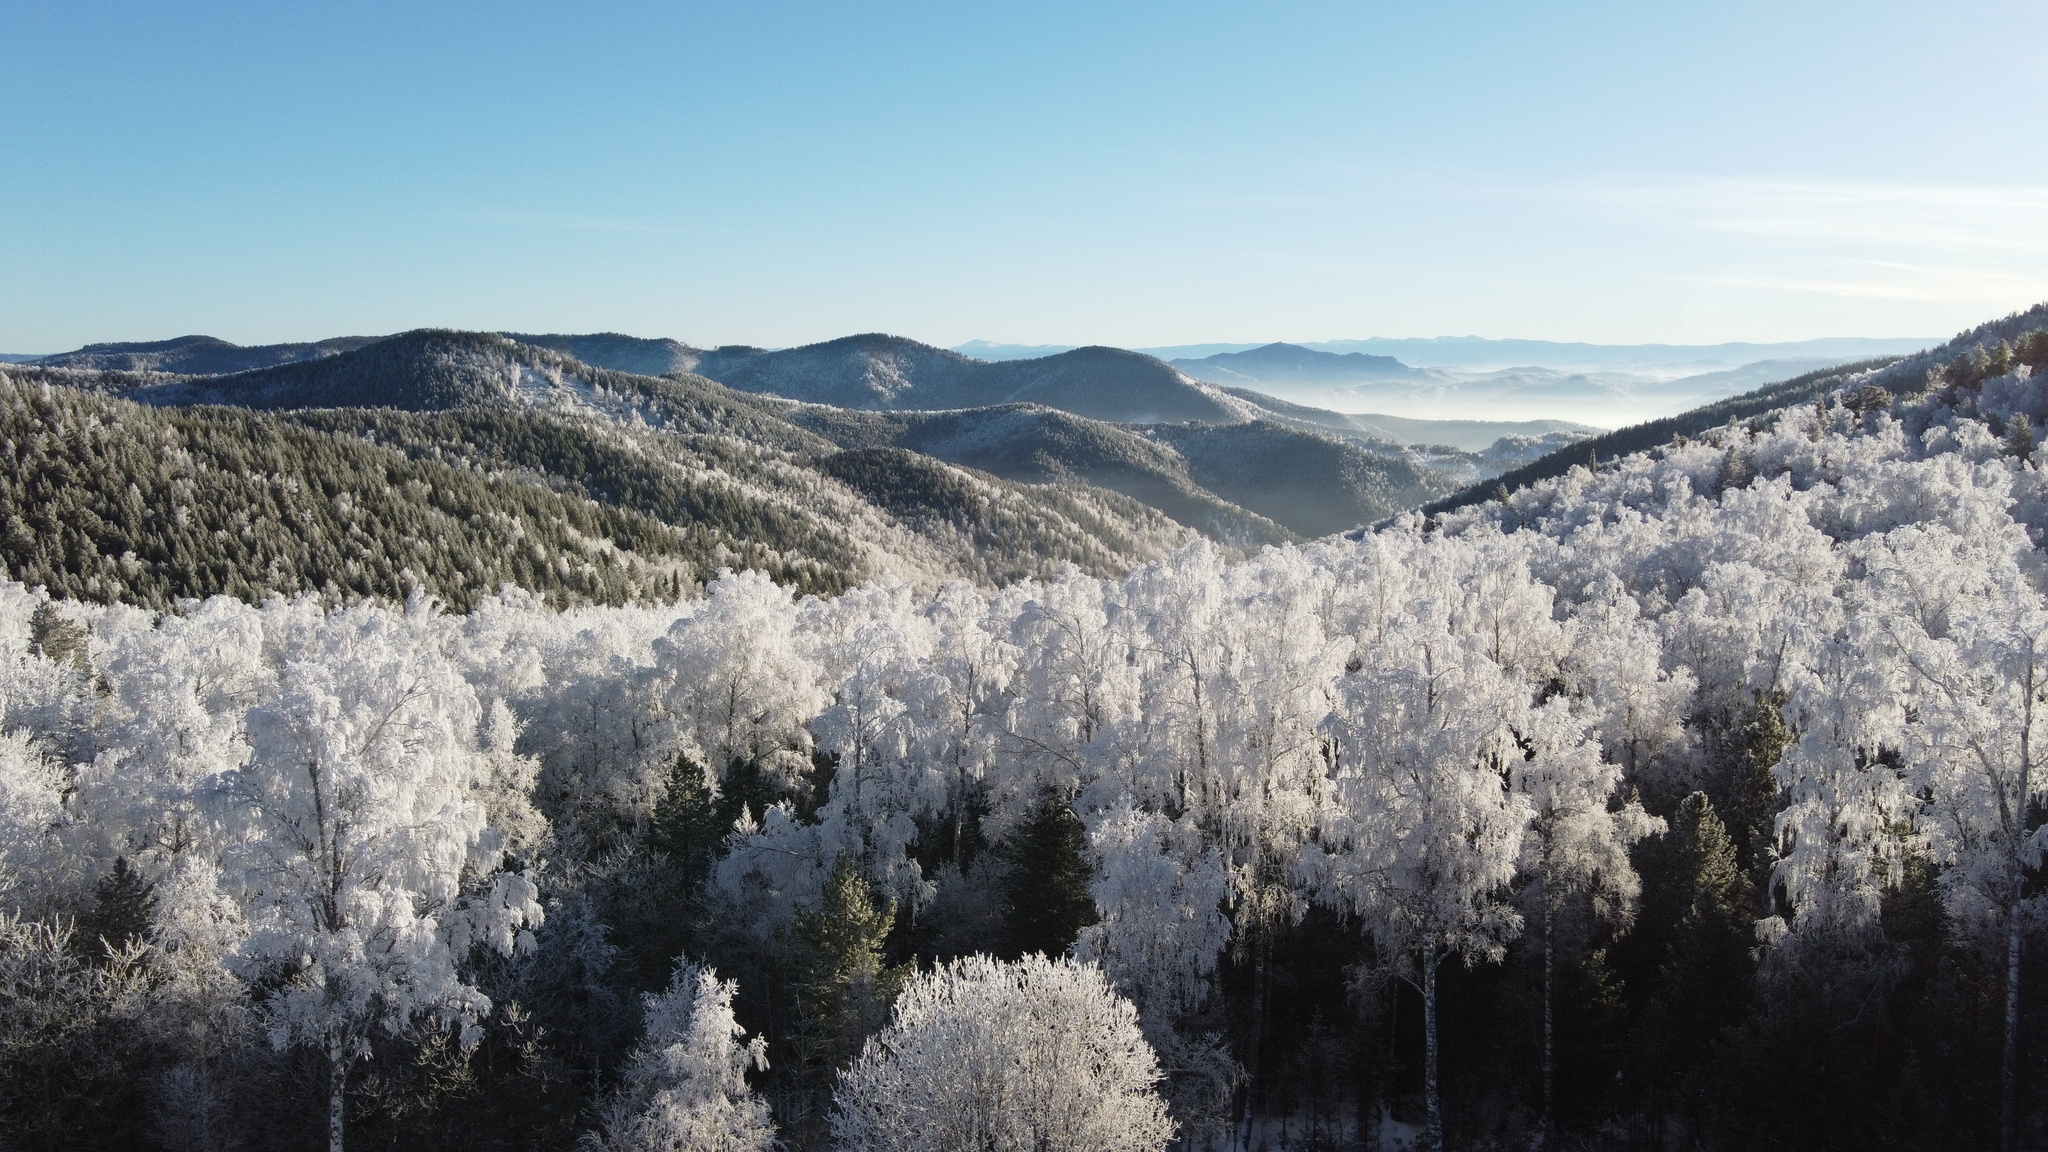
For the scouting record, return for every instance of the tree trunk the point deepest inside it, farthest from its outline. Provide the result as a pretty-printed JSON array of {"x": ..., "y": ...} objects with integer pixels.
[
  {"x": 1549, "y": 1125},
  {"x": 337, "y": 1079},
  {"x": 2008, "y": 1111},
  {"x": 1246, "y": 1120},
  {"x": 1431, "y": 1107}
]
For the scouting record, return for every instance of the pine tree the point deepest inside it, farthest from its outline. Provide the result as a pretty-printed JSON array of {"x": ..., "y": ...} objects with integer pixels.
[
  {"x": 123, "y": 905},
  {"x": 843, "y": 985},
  {"x": 1045, "y": 880},
  {"x": 1754, "y": 795},
  {"x": 689, "y": 824},
  {"x": 1707, "y": 955}
]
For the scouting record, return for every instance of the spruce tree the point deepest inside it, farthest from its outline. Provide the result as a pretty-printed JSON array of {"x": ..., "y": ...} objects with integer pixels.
[
  {"x": 689, "y": 824},
  {"x": 1754, "y": 797},
  {"x": 123, "y": 906},
  {"x": 843, "y": 985},
  {"x": 1707, "y": 958},
  {"x": 1045, "y": 880}
]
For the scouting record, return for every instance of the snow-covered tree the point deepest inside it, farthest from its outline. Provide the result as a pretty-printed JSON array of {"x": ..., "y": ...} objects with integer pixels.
[
  {"x": 31, "y": 807},
  {"x": 1033, "y": 1056},
  {"x": 359, "y": 841},
  {"x": 1426, "y": 830},
  {"x": 1577, "y": 842},
  {"x": 685, "y": 1087},
  {"x": 1970, "y": 634}
]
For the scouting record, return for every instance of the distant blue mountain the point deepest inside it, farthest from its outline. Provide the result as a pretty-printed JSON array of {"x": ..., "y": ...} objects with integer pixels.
[
  {"x": 1479, "y": 353},
  {"x": 988, "y": 350},
  {"x": 1294, "y": 366}
]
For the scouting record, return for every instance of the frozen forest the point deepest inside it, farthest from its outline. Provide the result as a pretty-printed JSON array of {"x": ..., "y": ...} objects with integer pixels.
[{"x": 1688, "y": 797}]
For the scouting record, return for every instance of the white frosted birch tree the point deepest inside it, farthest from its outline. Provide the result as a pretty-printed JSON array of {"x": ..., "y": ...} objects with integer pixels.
[
  {"x": 359, "y": 843},
  {"x": 1426, "y": 831}
]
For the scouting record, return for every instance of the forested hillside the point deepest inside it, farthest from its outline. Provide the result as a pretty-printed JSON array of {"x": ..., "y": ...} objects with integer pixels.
[
  {"x": 107, "y": 500},
  {"x": 883, "y": 372},
  {"x": 1686, "y": 801},
  {"x": 1243, "y": 483},
  {"x": 1895, "y": 376},
  {"x": 197, "y": 355}
]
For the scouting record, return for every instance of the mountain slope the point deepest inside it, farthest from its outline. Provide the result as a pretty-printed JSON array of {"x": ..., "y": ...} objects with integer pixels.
[
  {"x": 198, "y": 355},
  {"x": 878, "y": 372},
  {"x": 1878, "y": 381},
  {"x": 1293, "y": 366},
  {"x": 1035, "y": 445},
  {"x": 718, "y": 479},
  {"x": 1315, "y": 484},
  {"x": 105, "y": 500},
  {"x": 635, "y": 354}
]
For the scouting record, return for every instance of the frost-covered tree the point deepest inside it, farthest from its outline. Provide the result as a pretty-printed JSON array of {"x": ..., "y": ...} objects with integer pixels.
[
  {"x": 1426, "y": 830},
  {"x": 359, "y": 842},
  {"x": 685, "y": 1087},
  {"x": 735, "y": 680},
  {"x": 1970, "y": 634},
  {"x": 1578, "y": 841},
  {"x": 1033, "y": 1056},
  {"x": 31, "y": 808}
]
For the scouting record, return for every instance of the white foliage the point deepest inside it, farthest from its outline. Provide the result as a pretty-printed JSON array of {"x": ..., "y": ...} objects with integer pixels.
[
  {"x": 1161, "y": 925},
  {"x": 31, "y": 807},
  {"x": 685, "y": 1087},
  {"x": 359, "y": 845},
  {"x": 1036, "y": 1056}
]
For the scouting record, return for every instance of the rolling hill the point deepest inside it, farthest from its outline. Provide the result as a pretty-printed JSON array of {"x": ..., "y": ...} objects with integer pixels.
[
  {"x": 520, "y": 463},
  {"x": 198, "y": 355},
  {"x": 1293, "y": 366}
]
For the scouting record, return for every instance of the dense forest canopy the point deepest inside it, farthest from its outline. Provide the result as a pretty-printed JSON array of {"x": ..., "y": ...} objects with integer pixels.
[{"x": 1689, "y": 797}]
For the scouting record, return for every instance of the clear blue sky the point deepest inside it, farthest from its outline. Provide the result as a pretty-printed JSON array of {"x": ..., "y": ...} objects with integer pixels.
[{"x": 1135, "y": 174}]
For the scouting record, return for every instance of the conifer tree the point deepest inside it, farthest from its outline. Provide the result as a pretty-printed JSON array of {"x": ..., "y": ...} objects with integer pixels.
[
  {"x": 123, "y": 906},
  {"x": 843, "y": 983},
  {"x": 1709, "y": 901},
  {"x": 1045, "y": 881}
]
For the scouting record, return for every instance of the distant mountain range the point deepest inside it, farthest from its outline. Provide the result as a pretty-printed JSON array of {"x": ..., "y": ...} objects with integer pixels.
[
  {"x": 1098, "y": 456},
  {"x": 1294, "y": 366},
  {"x": 1208, "y": 442},
  {"x": 1482, "y": 354},
  {"x": 1476, "y": 353},
  {"x": 459, "y": 460},
  {"x": 198, "y": 355}
]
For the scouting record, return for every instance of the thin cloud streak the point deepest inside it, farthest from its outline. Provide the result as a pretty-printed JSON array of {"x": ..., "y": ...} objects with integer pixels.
[
  {"x": 557, "y": 222},
  {"x": 2003, "y": 220}
]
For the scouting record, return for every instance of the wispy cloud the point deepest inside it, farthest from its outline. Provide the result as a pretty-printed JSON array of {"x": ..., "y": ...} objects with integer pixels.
[
  {"x": 561, "y": 222},
  {"x": 1983, "y": 246},
  {"x": 2009, "y": 220}
]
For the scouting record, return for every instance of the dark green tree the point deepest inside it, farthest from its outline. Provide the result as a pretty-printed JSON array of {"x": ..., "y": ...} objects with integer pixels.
[
  {"x": 123, "y": 907},
  {"x": 1754, "y": 799},
  {"x": 689, "y": 824},
  {"x": 1045, "y": 879},
  {"x": 843, "y": 985}
]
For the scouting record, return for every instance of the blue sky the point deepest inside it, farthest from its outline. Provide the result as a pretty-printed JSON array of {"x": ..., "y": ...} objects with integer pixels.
[{"x": 1135, "y": 174}]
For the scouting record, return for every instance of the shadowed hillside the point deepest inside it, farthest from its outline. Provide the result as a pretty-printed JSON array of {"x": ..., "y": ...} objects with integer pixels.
[
  {"x": 198, "y": 355},
  {"x": 879, "y": 372}
]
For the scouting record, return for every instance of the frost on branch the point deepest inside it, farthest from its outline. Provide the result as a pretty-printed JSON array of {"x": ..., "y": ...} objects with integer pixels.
[{"x": 1034, "y": 1056}]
